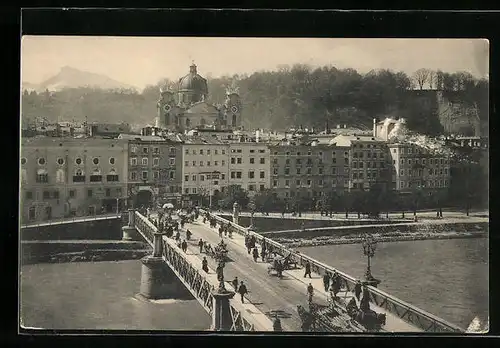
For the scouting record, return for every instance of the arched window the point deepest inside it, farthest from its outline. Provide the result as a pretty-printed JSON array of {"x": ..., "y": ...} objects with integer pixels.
[
  {"x": 78, "y": 161},
  {"x": 112, "y": 176},
  {"x": 60, "y": 176},
  {"x": 188, "y": 122},
  {"x": 79, "y": 176},
  {"x": 96, "y": 175},
  {"x": 42, "y": 176}
]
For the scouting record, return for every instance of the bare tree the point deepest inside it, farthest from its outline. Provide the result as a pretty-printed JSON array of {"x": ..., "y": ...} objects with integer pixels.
[
  {"x": 421, "y": 76},
  {"x": 432, "y": 79}
]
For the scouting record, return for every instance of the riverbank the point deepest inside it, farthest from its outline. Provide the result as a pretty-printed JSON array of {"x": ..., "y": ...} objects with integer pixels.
[{"x": 379, "y": 237}]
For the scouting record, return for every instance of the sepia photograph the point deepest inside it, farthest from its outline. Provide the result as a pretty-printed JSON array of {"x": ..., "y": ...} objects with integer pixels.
[{"x": 336, "y": 185}]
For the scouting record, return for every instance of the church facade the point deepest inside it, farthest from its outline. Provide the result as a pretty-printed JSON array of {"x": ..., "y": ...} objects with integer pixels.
[{"x": 186, "y": 106}]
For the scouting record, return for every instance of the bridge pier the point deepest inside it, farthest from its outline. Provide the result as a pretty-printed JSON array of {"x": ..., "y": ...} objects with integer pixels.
[
  {"x": 129, "y": 232},
  {"x": 221, "y": 314},
  {"x": 158, "y": 281}
]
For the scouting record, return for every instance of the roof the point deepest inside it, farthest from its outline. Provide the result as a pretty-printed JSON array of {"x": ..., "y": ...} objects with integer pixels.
[
  {"x": 202, "y": 108},
  {"x": 141, "y": 137},
  {"x": 42, "y": 141},
  {"x": 111, "y": 127},
  {"x": 346, "y": 140},
  {"x": 197, "y": 140}
]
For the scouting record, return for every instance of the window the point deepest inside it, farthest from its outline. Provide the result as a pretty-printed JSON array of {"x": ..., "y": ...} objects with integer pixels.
[
  {"x": 72, "y": 193},
  {"x": 287, "y": 183},
  {"x": 95, "y": 160},
  {"x": 172, "y": 161},
  {"x": 320, "y": 171},
  {"x": 275, "y": 183},
  {"x": 361, "y": 175},
  {"x": 112, "y": 176},
  {"x": 251, "y": 187},
  {"x": 298, "y": 171},
  {"x": 144, "y": 150},
  {"x": 193, "y": 178},
  {"x": 201, "y": 151},
  {"x": 156, "y": 162},
  {"x": 287, "y": 171},
  {"x": 287, "y": 161},
  {"x": 223, "y": 162},
  {"x": 233, "y": 160},
  {"x": 89, "y": 193},
  {"x": 29, "y": 195},
  {"x": 320, "y": 182},
  {"x": 252, "y": 160},
  {"x": 233, "y": 175},
  {"x": 238, "y": 175},
  {"x": 297, "y": 183},
  {"x": 96, "y": 176},
  {"x": 41, "y": 161},
  {"x": 144, "y": 161},
  {"x": 32, "y": 213},
  {"x": 360, "y": 164},
  {"x": 334, "y": 170},
  {"x": 309, "y": 171},
  {"x": 297, "y": 161},
  {"x": 346, "y": 161},
  {"x": 144, "y": 175},
  {"x": 23, "y": 160},
  {"x": 186, "y": 191},
  {"x": 355, "y": 175},
  {"x": 133, "y": 175},
  {"x": 275, "y": 171},
  {"x": 202, "y": 177},
  {"x": 309, "y": 182},
  {"x": 201, "y": 163},
  {"x": 172, "y": 151},
  {"x": 251, "y": 175},
  {"x": 402, "y": 172},
  {"x": 409, "y": 161},
  {"x": 445, "y": 171},
  {"x": 46, "y": 195},
  {"x": 186, "y": 177},
  {"x": 252, "y": 151},
  {"x": 262, "y": 174},
  {"x": 262, "y": 161},
  {"x": 223, "y": 152},
  {"x": 60, "y": 161},
  {"x": 133, "y": 149},
  {"x": 133, "y": 161},
  {"x": 194, "y": 163},
  {"x": 208, "y": 163},
  {"x": 239, "y": 160},
  {"x": 261, "y": 187},
  {"x": 223, "y": 176},
  {"x": 287, "y": 153},
  {"x": 402, "y": 184},
  {"x": 186, "y": 151},
  {"x": 208, "y": 151},
  {"x": 156, "y": 174},
  {"x": 108, "y": 192},
  {"x": 112, "y": 160},
  {"x": 42, "y": 176},
  {"x": 156, "y": 150}
]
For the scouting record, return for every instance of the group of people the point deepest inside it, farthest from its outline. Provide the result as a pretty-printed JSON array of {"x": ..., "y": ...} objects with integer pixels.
[
  {"x": 332, "y": 283},
  {"x": 240, "y": 288}
]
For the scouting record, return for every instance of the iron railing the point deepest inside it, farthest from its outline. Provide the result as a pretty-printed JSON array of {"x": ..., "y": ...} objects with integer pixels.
[
  {"x": 70, "y": 220},
  {"x": 407, "y": 312},
  {"x": 199, "y": 283}
]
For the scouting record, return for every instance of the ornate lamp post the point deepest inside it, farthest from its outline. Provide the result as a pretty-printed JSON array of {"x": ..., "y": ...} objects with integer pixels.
[
  {"x": 221, "y": 317},
  {"x": 369, "y": 248}
]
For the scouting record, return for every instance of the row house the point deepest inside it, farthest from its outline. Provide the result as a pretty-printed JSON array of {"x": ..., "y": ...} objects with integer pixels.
[
  {"x": 155, "y": 171},
  {"x": 307, "y": 169},
  {"x": 61, "y": 177},
  {"x": 415, "y": 167}
]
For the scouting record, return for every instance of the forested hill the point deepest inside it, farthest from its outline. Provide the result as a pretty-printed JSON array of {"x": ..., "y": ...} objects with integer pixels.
[{"x": 287, "y": 97}]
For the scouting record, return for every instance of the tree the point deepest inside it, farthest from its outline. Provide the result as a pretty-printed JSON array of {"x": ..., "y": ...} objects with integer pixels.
[
  {"x": 266, "y": 201},
  {"x": 234, "y": 193},
  {"x": 421, "y": 76}
]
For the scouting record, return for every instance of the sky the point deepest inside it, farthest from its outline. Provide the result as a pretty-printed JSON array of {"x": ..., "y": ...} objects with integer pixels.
[{"x": 141, "y": 61}]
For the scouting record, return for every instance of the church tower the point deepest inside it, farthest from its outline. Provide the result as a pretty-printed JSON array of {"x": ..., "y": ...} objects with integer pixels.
[
  {"x": 165, "y": 117},
  {"x": 232, "y": 107}
]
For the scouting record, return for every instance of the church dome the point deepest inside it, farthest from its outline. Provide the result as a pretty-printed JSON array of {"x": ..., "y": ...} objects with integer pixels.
[{"x": 193, "y": 81}]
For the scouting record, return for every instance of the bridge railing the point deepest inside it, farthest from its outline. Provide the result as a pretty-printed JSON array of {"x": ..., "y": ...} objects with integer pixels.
[
  {"x": 407, "y": 312},
  {"x": 72, "y": 219},
  {"x": 199, "y": 283}
]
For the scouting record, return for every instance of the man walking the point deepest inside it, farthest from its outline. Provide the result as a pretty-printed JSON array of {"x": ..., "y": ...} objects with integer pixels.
[
  {"x": 242, "y": 290},
  {"x": 326, "y": 281},
  {"x": 200, "y": 244},
  {"x": 235, "y": 283},
  {"x": 308, "y": 270}
]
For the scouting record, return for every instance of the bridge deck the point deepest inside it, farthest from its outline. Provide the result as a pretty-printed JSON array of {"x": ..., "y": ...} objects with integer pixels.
[
  {"x": 72, "y": 220},
  {"x": 269, "y": 292}
]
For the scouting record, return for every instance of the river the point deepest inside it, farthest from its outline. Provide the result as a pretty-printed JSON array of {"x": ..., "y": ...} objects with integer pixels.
[
  {"x": 99, "y": 295},
  {"x": 448, "y": 278}
]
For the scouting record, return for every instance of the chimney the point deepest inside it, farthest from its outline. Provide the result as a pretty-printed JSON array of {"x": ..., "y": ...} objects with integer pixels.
[{"x": 374, "y": 127}]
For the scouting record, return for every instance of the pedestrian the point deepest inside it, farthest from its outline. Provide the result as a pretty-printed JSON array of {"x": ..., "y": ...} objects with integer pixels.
[
  {"x": 308, "y": 270},
  {"x": 200, "y": 244},
  {"x": 277, "y": 324},
  {"x": 255, "y": 254},
  {"x": 204, "y": 264},
  {"x": 235, "y": 283},
  {"x": 263, "y": 254},
  {"x": 364, "y": 305},
  {"x": 242, "y": 290},
  {"x": 357, "y": 289},
  {"x": 220, "y": 231},
  {"x": 326, "y": 280},
  {"x": 188, "y": 234},
  {"x": 184, "y": 246}
]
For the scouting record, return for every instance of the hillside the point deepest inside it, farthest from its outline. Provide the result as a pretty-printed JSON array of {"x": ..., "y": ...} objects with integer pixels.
[
  {"x": 69, "y": 77},
  {"x": 272, "y": 99}
]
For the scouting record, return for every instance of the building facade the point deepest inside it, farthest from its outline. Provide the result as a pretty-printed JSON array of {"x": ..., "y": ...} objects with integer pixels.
[
  {"x": 155, "y": 170},
  {"x": 414, "y": 167},
  {"x": 62, "y": 177}
]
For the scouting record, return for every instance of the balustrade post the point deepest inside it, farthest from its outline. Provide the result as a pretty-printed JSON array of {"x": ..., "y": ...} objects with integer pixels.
[
  {"x": 129, "y": 232},
  {"x": 221, "y": 313}
]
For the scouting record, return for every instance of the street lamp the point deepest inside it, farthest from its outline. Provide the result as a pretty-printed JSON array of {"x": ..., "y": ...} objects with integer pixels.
[{"x": 369, "y": 248}]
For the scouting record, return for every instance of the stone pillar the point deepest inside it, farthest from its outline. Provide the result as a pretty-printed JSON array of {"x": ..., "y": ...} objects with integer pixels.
[
  {"x": 221, "y": 314},
  {"x": 158, "y": 281},
  {"x": 158, "y": 245},
  {"x": 129, "y": 231}
]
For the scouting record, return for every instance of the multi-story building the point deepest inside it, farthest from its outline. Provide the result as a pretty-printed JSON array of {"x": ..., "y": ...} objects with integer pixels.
[
  {"x": 155, "y": 170},
  {"x": 249, "y": 166},
  {"x": 205, "y": 168},
  {"x": 367, "y": 158},
  {"x": 307, "y": 169},
  {"x": 414, "y": 167},
  {"x": 63, "y": 177}
]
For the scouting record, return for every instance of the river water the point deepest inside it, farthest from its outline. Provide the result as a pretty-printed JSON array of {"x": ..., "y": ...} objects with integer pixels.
[
  {"x": 99, "y": 295},
  {"x": 448, "y": 278}
]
